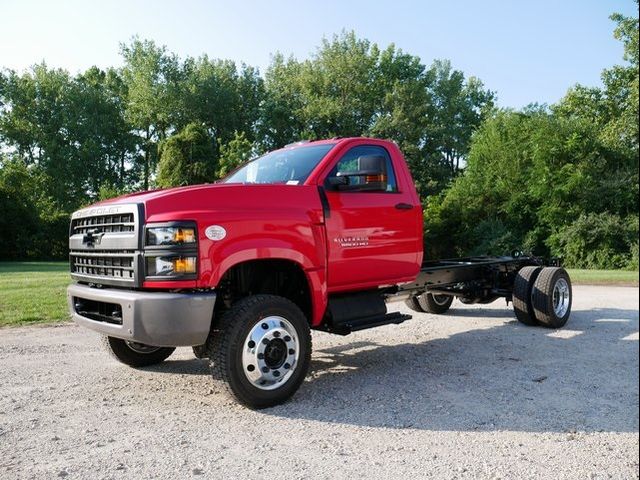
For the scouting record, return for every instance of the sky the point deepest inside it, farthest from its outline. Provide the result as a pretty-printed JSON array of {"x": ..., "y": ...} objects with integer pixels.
[{"x": 525, "y": 51}]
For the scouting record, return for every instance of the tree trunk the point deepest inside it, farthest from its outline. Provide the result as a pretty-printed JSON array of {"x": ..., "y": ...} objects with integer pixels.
[
  {"x": 122, "y": 168},
  {"x": 147, "y": 146},
  {"x": 146, "y": 167}
]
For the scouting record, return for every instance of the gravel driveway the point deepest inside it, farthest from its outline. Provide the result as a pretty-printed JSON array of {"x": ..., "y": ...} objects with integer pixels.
[{"x": 471, "y": 394}]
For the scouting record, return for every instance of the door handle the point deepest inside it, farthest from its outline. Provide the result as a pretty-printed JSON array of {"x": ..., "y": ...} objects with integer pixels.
[{"x": 404, "y": 206}]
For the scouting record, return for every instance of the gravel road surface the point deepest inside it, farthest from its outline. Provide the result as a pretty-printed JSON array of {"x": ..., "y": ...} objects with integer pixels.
[{"x": 470, "y": 394}]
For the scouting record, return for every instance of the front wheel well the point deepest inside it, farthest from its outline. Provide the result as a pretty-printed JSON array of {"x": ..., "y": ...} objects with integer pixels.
[{"x": 284, "y": 278}]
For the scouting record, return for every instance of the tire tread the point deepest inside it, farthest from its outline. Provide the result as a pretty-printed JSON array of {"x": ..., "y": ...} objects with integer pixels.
[
  {"x": 225, "y": 330},
  {"x": 118, "y": 350},
  {"x": 522, "y": 288},
  {"x": 412, "y": 303},
  {"x": 543, "y": 297},
  {"x": 429, "y": 305}
]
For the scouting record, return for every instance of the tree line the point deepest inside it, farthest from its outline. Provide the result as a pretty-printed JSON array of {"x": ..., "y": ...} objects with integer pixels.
[
  {"x": 559, "y": 180},
  {"x": 492, "y": 179}
]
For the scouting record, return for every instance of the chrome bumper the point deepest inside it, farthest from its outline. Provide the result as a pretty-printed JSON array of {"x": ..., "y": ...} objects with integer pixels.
[{"x": 154, "y": 318}]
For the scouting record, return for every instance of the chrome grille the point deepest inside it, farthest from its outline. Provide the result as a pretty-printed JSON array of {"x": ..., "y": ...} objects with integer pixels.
[
  {"x": 117, "y": 223},
  {"x": 112, "y": 265},
  {"x": 105, "y": 244}
]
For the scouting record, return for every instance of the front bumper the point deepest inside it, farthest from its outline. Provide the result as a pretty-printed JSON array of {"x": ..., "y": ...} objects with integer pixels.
[{"x": 154, "y": 318}]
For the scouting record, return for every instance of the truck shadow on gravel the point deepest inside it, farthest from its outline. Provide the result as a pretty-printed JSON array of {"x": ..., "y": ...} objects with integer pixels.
[{"x": 507, "y": 377}]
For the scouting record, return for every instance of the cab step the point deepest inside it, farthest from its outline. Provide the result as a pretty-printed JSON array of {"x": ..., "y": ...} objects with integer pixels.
[{"x": 355, "y": 324}]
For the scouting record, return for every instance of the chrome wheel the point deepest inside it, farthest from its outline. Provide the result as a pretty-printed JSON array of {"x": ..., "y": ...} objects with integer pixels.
[
  {"x": 440, "y": 299},
  {"x": 270, "y": 353},
  {"x": 561, "y": 297},
  {"x": 141, "y": 347}
]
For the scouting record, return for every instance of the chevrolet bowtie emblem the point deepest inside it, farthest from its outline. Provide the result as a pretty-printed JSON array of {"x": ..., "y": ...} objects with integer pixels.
[{"x": 92, "y": 237}]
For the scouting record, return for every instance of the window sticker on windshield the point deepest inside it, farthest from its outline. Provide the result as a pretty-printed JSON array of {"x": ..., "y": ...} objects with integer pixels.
[{"x": 293, "y": 182}]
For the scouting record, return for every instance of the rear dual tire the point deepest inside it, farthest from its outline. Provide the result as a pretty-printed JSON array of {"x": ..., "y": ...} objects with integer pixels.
[
  {"x": 522, "y": 289},
  {"x": 413, "y": 305},
  {"x": 552, "y": 297},
  {"x": 437, "y": 304},
  {"x": 542, "y": 296},
  {"x": 429, "y": 303}
]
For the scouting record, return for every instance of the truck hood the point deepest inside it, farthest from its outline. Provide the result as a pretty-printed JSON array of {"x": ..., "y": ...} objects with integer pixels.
[
  {"x": 148, "y": 195},
  {"x": 192, "y": 201}
]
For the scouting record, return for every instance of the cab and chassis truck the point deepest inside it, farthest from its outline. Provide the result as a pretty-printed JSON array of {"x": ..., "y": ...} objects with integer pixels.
[{"x": 315, "y": 236}]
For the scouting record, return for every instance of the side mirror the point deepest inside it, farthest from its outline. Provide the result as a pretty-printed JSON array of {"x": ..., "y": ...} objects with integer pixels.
[{"x": 370, "y": 175}]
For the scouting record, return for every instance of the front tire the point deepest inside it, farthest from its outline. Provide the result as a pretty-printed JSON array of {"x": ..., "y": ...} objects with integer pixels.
[
  {"x": 135, "y": 354},
  {"x": 260, "y": 350}
]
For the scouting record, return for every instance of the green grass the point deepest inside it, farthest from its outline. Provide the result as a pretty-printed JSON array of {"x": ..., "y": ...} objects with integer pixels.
[
  {"x": 604, "y": 277},
  {"x": 33, "y": 292}
]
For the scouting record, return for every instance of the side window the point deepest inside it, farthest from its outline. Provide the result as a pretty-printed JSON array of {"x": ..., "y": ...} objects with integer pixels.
[{"x": 366, "y": 168}]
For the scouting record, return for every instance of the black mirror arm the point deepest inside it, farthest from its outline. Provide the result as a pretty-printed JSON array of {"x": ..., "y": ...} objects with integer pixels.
[{"x": 337, "y": 181}]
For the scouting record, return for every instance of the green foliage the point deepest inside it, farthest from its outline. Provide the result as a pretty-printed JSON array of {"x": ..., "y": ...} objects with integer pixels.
[
  {"x": 186, "y": 158},
  {"x": 165, "y": 95},
  {"x": 18, "y": 221},
  {"x": 633, "y": 261},
  {"x": 108, "y": 191},
  {"x": 71, "y": 129},
  {"x": 32, "y": 225},
  {"x": 534, "y": 174},
  {"x": 151, "y": 76},
  {"x": 561, "y": 181},
  {"x": 233, "y": 154},
  {"x": 598, "y": 240},
  {"x": 491, "y": 237}
]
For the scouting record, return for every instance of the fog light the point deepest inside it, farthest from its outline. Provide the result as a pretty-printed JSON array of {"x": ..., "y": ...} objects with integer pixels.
[
  {"x": 184, "y": 265},
  {"x": 170, "y": 266}
]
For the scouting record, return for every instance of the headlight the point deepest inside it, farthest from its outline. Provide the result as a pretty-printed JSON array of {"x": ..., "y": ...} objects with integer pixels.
[
  {"x": 170, "y": 266},
  {"x": 168, "y": 236},
  {"x": 171, "y": 251}
]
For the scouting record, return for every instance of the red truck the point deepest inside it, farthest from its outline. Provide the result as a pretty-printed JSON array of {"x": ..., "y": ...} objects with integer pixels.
[{"x": 317, "y": 235}]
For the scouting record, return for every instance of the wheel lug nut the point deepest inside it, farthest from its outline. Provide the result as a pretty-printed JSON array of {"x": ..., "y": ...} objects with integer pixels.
[
  {"x": 276, "y": 373},
  {"x": 265, "y": 369},
  {"x": 287, "y": 366},
  {"x": 291, "y": 351},
  {"x": 287, "y": 338},
  {"x": 260, "y": 356},
  {"x": 276, "y": 334},
  {"x": 265, "y": 341}
]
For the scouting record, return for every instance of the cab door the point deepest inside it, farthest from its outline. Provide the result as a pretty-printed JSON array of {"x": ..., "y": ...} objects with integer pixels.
[{"x": 372, "y": 231}]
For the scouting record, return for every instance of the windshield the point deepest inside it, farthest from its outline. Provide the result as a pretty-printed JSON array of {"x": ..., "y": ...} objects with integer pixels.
[{"x": 291, "y": 166}]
